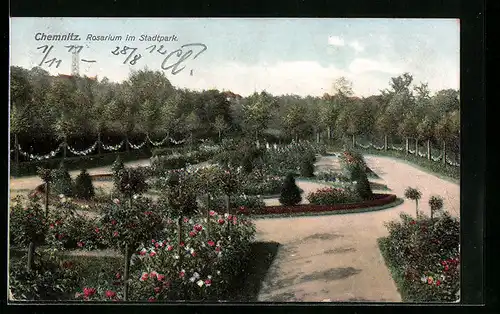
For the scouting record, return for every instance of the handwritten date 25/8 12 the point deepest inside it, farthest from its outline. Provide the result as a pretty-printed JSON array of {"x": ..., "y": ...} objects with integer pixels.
[{"x": 174, "y": 59}]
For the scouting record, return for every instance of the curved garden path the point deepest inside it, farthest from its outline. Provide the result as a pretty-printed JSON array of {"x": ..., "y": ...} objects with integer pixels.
[{"x": 336, "y": 257}]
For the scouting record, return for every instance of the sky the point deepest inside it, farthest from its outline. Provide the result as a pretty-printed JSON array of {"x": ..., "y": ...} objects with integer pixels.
[{"x": 281, "y": 56}]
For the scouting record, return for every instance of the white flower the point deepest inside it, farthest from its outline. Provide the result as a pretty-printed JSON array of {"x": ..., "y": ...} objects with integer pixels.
[
  {"x": 218, "y": 272},
  {"x": 176, "y": 256},
  {"x": 226, "y": 215},
  {"x": 61, "y": 195},
  {"x": 196, "y": 275},
  {"x": 200, "y": 283},
  {"x": 63, "y": 200},
  {"x": 209, "y": 277},
  {"x": 192, "y": 279},
  {"x": 191, "y": 250},
  {"x": 135, "y": 197},
  {"x": 423, "y": 279}
]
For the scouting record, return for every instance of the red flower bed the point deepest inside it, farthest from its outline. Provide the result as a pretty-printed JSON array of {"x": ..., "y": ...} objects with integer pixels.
[{"x": 378, "y": 200}]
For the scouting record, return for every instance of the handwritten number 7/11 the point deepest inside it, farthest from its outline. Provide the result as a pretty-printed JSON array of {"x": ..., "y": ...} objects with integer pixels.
[
  {"x": 132, "y": 56},
  {"x": 46, "y": 51}
]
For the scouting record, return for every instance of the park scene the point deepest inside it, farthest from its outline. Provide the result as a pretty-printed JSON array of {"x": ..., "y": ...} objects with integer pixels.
[{"x": 145, "y": 188}]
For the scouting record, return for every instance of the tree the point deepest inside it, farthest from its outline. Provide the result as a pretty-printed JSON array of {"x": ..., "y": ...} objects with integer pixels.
[
  {"x": 415, "y": 195},
  {"x": 257, "y": 112},
  {"x": 46, "y": 176},
  {"x": 436, "y": 204},
  {"x": 84, "y": 188},
  {"x": 290, "y": 192},
  {"x": 294, "y": 121},
  {"x": 220, "y": 125}
]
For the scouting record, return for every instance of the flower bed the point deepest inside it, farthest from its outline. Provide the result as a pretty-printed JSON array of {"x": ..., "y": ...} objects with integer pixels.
[
  {"x": 423, "y": 256},
  {"x": 377, "y": 200}
]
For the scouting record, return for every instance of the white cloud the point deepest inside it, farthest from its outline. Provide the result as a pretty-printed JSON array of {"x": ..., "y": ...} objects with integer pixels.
[
  {"x": 356, "y": 45},
  {"x": 336, "y": 41},
  {"x": 361, "y": 65}
]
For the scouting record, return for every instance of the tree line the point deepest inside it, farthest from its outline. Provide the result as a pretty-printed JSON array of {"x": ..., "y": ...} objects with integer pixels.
[{"x": 63, "y": 107}]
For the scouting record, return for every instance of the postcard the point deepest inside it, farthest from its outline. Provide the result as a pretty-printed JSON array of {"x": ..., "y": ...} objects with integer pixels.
[{"x": 234, "y": 160}]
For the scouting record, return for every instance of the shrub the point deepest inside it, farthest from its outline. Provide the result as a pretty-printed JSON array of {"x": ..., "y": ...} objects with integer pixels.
[
  {"x": 84, "y": 188},
  {"x": 49, "y": 279},
  {"x": 244, "y": 203},
  {"x": 261, "y": 185},
  {"x": 62, "y": 182},
  {"x": 307, "y": 168},
  {"x": 68, "y": 229},
  {"x": 423, "y": 256},
  {"x": 27, "y": 222},
  {"x": 362, "y": 185},
  {"x": 131, "y": 181},
  {"x": 436, "y": 204},
  {"x": 333, "y": 196},
  {"x": 415, "y": 195},
  {"x": 290, "y": 192}
]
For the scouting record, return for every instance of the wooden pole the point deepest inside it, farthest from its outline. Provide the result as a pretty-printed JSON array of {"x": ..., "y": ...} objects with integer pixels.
[
  {"x": 385, "y": 142},
  {"x": 444, "y": 152},
  {"x": 429, "y": 149},
  {"x": 99, "y": 143}
]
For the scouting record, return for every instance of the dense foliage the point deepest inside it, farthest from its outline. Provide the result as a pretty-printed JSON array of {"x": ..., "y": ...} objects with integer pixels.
[
  {"x": 334, "y": 195},
  {"x": 290, "y": 192},
  {"x": 62, "y": 182},
  {"x": 84, "y": 188},
  {"x": 423, "y": 256}
]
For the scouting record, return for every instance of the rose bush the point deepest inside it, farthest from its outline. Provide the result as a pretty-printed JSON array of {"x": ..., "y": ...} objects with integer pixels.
[
  {"x": 423, "y": 256},
  {"x": 333, "y": 196}
]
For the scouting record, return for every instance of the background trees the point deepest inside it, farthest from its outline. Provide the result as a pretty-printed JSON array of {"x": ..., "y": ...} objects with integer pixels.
[{"x": 49, "y": 109}]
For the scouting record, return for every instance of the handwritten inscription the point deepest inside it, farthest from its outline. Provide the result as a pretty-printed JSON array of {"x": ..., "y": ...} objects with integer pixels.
[
  {"x": 173, "y": 60},
  {"x": 183, "y": 54}
]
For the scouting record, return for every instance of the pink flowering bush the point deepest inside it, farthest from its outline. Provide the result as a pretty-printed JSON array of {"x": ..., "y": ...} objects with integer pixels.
[
  {"x": 333, "y": 196},
  {"x": 424, "y": 257},
  {"x": 27, "y": 222},
  {"x": 209, "y": 263}
]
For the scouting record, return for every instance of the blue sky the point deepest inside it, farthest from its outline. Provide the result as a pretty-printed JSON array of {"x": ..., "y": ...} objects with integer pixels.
[{"x": 282, "y": 56}]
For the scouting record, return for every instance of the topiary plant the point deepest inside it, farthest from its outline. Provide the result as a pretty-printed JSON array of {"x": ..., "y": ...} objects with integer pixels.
[
  {"x": 290, "y": 192},
  {"x": 84, "y": 188},
  {"x": 362, "y": 185},
  {"x": 415, "y": 195},
  {"x": 436, "y": 204},
  {"x": 63, "y": 184}
]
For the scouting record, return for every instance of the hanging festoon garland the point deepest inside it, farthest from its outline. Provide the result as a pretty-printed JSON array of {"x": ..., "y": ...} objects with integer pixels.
[
  {"x": 177, "y": 142},
  {"x": 112, "y": 147},
  {"x": 413, "y": 152},
  {"x": 40, "y": 157},
  {"x": 156, "y": 143},
  {"x": 83, "y": 152},
  {"x": 137, "y": 146}
]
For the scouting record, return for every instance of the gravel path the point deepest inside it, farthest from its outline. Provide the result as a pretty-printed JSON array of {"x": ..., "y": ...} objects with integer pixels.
[{"x": 336, "y": 257}]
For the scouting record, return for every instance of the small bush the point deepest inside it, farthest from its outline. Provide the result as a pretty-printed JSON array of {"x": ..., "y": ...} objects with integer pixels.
[
  {"x": 307, "y": 168},
  {"x": 27, "y": 222},
  {"x": 290, "y": 192},
  {"x": 48, "y": 280},
  {"x": 333, "y": 196},
  {"x": 244, "y": 203},
  {"x": 84, "y": 188},
  {"x": 362, "y": 185},
  {"x": 62, "y": 182}
]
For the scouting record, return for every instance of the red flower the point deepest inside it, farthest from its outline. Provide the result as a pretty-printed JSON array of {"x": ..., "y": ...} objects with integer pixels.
[
  {"x": 198, "y": 227},
  {"x": 147, "y": 213},
  {"x": 211, "y": 243},
  {"x": 443, "y": 263},
  {"x": 429, "y": 280},
  {"x": 60, "y": 236},
  {"x": 157, "y": 289},
  {"x": 51, "y": 226},
  {"x": 446, "y": 267},
  {"x": 58, "y": 222},
  {"x": 186, "y": 220},
  {"x": 192, "y": 234},
  {"x": 170, "y": 248},
  {"x": 142, "y": 253},
  {"x": 193, "y": 254},
  {"x": 413, "y": 222},
  {"x": 220, "y": 221},
  {"x": 217, "y": 249},
  {"x": 230, "y": 217},
  {"x": 160, "y": 277},
  {"x": 181, "y": 274},
  {"x": 208, "y": 282},
  {"x": 153, "y": 274},
  {"x": 115, "y": 234},
  {"x": 89, "y": 292},
  {"x": 152, "y": 254},
  {"x": 181, "y": 244},
  {"x": 153, "y": 241},
  {"x": 144, "y": 276},
  {"x": 113, "y": 222},
  {"x": 110, "y": 294},
  {"x": 212, "y": 213},
  {"x": 118, "y": 276},
  {"x": 151, "y": 299},
  {"x": 438, "y": 283},
  {"x": 157, "y": 245},
  {"x": 80, "y": 244}
]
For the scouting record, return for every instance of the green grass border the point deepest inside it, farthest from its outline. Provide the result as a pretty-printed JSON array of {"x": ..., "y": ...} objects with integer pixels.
[
  {"x": 397, "y": 273},
  {"x": 398, "y": 201}
]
